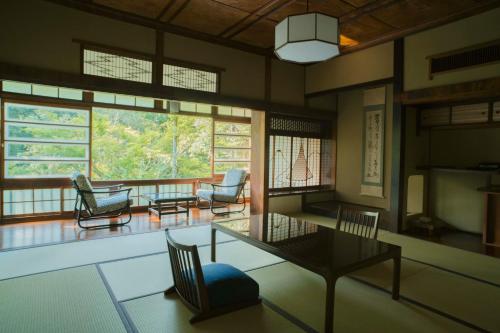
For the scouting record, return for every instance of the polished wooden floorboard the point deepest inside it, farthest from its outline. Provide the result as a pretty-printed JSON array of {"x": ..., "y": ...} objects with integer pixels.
[{"x": 28, "y": 234}]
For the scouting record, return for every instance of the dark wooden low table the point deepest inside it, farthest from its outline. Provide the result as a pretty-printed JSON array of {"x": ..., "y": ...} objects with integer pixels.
[
  {"x": 328, "y": 252},
  {"x": 168, "y": 203}
]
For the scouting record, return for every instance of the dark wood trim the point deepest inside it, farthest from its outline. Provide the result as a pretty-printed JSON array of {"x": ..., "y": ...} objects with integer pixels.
[
  {"x": 366, "y": 10},
  {"x": 259, "y": 17},
  {"x": 178, "y": 11},
  {"x": 362, "y": 85},
  {"x": 397, "y": 187},
  {"x": 458, "y": 92},
  {"x": 96, "y": 9},
  {"x": 94, "y": 83},
  {"x": 95, "y": 46},
  {"x": 249, "y": 15},
  {"x": 268, "y": 78},
  {"x": 158, "y": 62},
  {"x": 480, "y": 8},
  {"x": 165, "y": 9}
]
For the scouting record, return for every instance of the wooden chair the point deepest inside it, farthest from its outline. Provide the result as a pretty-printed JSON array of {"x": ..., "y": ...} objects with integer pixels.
[
  {"x": 364, "y": 224},
  {"x": 209, "y": 290}
]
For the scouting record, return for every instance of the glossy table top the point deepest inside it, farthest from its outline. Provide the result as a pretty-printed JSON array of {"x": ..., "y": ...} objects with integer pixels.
[
  {"x": 169, "y": 197},
  {"x": 318, "y": 248}
]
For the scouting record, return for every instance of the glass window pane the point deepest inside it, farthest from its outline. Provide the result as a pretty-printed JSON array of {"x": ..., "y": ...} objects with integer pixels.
[
  {"x": 46, "y": 114},
  {"x": 188, "y": 107},
  {"x": 17, "y": 195},
  {"x": 37, "y": 169},
  {"x": 227, "y": 141},
  {"x": 16, "y": 87},
  {"x": 149, "y": 145},
  {"x": 43, "y": 90},
  {"x": 45, "y": 151},
  {"x": 232, "y": 128},
  {"x": 204, "y": 108},
  {"x": 237, "y": 112},
  {"x": 102, "y": 97},
  {"x": 47, "y": 194},
  {"x": 125, "y": 100},
  {"x": 45, "y": 133},
  {"x": 145, "y": 102},
  {"x": 74, "y": 94},
  {"x": 17, "y": 208},
  {"x": 222, "y": 167},
  {"x": 47, "y": 206},
  {"x": 224, "y": 110},
  {"x": 232, "y": 154}
]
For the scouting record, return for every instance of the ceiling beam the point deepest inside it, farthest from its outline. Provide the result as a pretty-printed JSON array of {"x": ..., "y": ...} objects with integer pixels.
[
  {"x": 178, "y": 11},
  {"x": 366, "y": 10},
  {"x": 263, "y": 16},
  {"x": 156, "y": 25},
  {"x": 255, "y": 12},
  {"x": 165, "y": 9}
]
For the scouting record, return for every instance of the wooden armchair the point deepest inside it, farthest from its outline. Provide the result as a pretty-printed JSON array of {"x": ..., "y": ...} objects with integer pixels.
[
  {"x": 364, "y": 224},
  {"x": 89, "y": 206},
  {"x": 209, "y": 290}
]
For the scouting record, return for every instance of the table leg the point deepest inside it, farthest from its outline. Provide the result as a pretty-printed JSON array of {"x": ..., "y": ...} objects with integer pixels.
[
  {"x": 149, "y": 207},
  {"x": 212, "y": 245},
  {"x": 159, "y": 210},
  {"x": 187, "y": 208},
  {"x": 396, "y": 274},
  {"x": 329, "y": 304}
]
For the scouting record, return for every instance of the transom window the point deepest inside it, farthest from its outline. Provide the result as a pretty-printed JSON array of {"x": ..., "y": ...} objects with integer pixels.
[
  {"x": 189, "y": 78},
  {"x": 117, "y": 66}
]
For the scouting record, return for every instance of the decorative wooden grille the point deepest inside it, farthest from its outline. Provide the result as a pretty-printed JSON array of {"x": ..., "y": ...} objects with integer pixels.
[{"x": 189, "y": 78}]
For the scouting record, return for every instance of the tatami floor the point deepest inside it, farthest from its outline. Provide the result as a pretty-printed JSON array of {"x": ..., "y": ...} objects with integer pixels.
[{"x": 115, "y": 284}]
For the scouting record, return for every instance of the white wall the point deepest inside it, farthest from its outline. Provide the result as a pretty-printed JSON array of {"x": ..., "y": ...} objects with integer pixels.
[
  {"x": 374, "y": 63},
  {"x": 477, "y": 29}
]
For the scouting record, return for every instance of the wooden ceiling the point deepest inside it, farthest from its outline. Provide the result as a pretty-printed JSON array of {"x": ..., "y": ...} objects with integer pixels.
[{"x": 250, "y": 23}]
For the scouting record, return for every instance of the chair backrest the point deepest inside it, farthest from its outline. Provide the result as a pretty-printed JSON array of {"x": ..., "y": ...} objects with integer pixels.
[
  {"x": 364, "y": 224},
  {"x": 187, "y": 273},
  {"x": 231, "y": 178},
  {"x": 82, "y": 185}
]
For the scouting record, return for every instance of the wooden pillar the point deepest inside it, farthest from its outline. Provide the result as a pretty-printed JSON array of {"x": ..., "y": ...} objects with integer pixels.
[
  {"x": 259, "y": 186},
  {"x": 158, "y": 63},
  {"x": 398, "y": 141}
]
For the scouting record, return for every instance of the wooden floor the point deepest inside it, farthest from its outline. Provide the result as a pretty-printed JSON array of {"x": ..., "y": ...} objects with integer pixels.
[{"x": 59, "y": 231}]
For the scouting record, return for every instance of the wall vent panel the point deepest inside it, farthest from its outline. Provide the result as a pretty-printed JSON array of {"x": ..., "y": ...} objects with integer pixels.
[{"x": 461, "y": 59}]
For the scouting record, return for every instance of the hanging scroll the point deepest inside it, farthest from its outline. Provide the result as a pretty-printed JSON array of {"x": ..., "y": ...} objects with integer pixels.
[{"x": 372, "y": 181}]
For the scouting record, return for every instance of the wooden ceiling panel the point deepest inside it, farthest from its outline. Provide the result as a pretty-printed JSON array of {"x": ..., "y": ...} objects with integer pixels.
[
  {"x": 147, "y": 8},
  {"x": 358, "y": 3},
  {"x": 260, "y": 34},
  {"x": 208, "y": 16},
  {"x": 364, "y": 28},
  {"x": 409, "y": 13},
  {"x": 245, "y": 5}
]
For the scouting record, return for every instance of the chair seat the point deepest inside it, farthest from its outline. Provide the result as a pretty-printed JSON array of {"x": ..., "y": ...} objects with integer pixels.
[
  {"x": 216, "y": 196},
  {"x": 227, "y": 285},
  {"x": 112, "y": 203}
]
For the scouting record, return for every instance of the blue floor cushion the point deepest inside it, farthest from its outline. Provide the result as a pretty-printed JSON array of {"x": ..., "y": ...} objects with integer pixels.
[{"x": 228, "y": 285}]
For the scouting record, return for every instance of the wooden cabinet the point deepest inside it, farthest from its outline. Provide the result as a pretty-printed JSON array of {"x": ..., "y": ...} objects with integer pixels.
[{"x": 469, "y": 114}]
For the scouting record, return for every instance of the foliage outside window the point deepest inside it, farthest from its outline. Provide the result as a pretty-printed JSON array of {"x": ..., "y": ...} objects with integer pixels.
[
  {"x": 146, "y": 145},
  {"x": 45, "y": 141},
  {"x": 231, "y": 146}
]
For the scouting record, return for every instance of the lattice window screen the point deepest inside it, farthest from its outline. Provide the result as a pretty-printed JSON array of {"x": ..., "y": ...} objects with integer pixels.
[
  {"x": 117, "y": 67},
  {"x": 189, "y": 78}
]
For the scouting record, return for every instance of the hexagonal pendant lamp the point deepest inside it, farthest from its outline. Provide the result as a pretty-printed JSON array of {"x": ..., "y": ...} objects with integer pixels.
[{"x": 306, "y": 38}]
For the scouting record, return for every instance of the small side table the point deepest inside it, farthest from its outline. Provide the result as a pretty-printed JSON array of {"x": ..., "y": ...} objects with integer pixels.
[{"x": 168, "y": 203}]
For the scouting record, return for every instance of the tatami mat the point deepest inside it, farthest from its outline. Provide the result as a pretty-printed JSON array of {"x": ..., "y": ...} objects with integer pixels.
[
  {"x": 52, "y": 257},
  {"x": 152, "y": 274},
  {"x": 73, "y": 300},
  {"x": 358, "y": 307},
  {"x": 158, "y": 313},
  {"x": 464, "y": 262}
]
